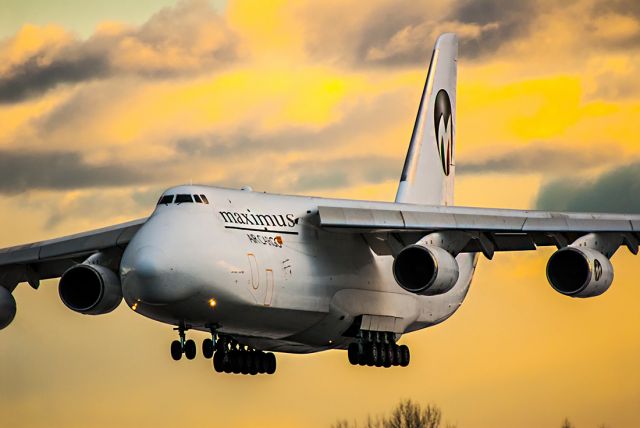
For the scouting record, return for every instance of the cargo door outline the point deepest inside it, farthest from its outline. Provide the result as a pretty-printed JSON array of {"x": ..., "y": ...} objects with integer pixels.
[
  {"x": 268, "y": 297},
  {"x": 255, "y": 272}
]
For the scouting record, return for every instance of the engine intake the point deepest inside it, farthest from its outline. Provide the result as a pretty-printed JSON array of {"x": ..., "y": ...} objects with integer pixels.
[
  {"x": 579, "y": 272},
  {"x": 425, "y": 269},
  {"x": 90, "y": 289}
]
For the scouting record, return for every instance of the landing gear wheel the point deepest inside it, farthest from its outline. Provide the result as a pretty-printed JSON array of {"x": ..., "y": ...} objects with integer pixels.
[
  {"x": 368, "y": 354},
  {"x": 262, "y": 362},
  {"x": 207, "y": 348},
  {"x": 176, "y": 350},
  {"x": 353, "y": 353},
  {"x": 271, "y": 363},
  {"x": 253, "y": 363},
  {"x": 375, "y": 354},
  {"x": 190, "y": 349},
  {"x": 236, "y": 364},
  {"x": 218, "y": 361},
  {"x": 405, "y": 355},
  {"x": 226, "y": 362},
  {"x": 244, "y": 358},
  {"x": 382, "y": 350},
  {"x": 387, "y": 352}
]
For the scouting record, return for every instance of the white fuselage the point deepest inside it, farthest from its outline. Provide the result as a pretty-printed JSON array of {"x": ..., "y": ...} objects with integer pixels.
[{"x": 258, "y": 266}]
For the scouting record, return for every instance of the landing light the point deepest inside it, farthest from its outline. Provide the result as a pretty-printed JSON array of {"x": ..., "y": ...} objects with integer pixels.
[
  {"x": 134, "y": 306},
  {"x": 212, "y": 303}
]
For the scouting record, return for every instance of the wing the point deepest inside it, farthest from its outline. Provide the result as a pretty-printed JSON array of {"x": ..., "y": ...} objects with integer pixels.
[
  {"x": 49, "y": 259},
  {"x": 388, "y": 226}
]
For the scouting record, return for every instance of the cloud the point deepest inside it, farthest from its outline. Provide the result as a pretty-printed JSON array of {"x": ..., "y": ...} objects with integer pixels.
[
  {"x": 538, "y": 159},
  {"x": 344, "y": 172},
  {"x": 62, "y": 170},
  {"x": 393, "y": 34},
  {"x": 360, "y": 118},
  {"x": 613, "y": 191},
  {"x": 187, "y": 38},
  {"x": 502, "y": 21}
]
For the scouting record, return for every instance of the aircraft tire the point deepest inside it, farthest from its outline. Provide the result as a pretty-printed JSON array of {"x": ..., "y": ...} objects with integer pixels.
[
  {"x": 235, "y": 362},
  {"x": 226, "y": 362},
  {"x": 176, "y": 350},
  {"x": 382, "y": 350},
  {"x": 190, "y": 349},
  {"x": 262, "y": 362},
  {"x": 218, "y": 362},
  {"x": 207, "y": 348},
  {"x": 244, "y": 358},
  {"x": 387, "y": 353},
  {"x": 271, "y": 363},
  {"x": 405, "y": 355},
  {"x": 353, "y": 354},
  {"x": 398, "y": 354},
  {"x": 375, "y": 354},
  {"x": 254, "y": 358}
]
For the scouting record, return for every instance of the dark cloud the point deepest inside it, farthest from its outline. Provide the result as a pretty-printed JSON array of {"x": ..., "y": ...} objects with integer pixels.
[
  {"x": 23, "y": 171},
  {"x": 500, "y": 22},
  {"x": 402, "y": 34},
  {"x": 614, "y": 191},
  {"x": 187, "y": 38},
  {"x": 537, "y": 159},
  {"x": 366, "y": 117},
  {"x": 332, "y": 174},
  {"x": 32, "y": 78}
]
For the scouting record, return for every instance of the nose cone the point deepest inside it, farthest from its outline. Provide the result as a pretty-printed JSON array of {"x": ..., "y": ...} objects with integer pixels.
[{"x": 150, "y": 276}]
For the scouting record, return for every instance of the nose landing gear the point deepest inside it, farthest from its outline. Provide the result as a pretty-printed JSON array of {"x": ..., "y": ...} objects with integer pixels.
[
  {"x": 228, "y": 355},
  {"x": 378, "y": 349},
  {"x": 183, "y": 346}
]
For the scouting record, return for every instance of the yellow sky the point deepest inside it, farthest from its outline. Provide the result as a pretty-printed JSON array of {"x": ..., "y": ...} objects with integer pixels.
[{"x": 319, "y": 97}]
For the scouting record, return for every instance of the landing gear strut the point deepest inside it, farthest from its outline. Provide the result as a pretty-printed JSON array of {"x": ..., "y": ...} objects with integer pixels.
[
  {"x": 232, "y": 357},
  {"x": 183, "y": 346},
  {"x": 378, "y": 349}
]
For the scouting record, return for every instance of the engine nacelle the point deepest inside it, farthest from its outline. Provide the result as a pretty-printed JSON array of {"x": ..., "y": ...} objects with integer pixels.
[
  {"x": 7, "y": 307},
  {"x": 579, "y": 272},
  {"x": 425, "y": 269},
  {"x": 90, "y": 289}
]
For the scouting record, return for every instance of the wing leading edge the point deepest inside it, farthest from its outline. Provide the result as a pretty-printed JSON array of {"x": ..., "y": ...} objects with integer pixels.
[
  {"x": 49, "y": 259},
  {"x": 489, "y": 230}
]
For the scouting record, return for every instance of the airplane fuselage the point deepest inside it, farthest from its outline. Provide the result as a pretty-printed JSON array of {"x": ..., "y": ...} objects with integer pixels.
[{"x": 248, "y": 263}]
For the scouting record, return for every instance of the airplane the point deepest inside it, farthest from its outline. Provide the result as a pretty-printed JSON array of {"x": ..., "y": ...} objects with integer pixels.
[{"x": 264, "y": 273}]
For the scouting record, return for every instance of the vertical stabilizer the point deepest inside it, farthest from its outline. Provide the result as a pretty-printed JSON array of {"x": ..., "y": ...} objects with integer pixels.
[{"x": 429, "y": 168}]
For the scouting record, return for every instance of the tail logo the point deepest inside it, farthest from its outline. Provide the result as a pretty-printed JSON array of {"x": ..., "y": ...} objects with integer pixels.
[
  {"x": 443, "y": 125},
  {"x": 598, "y": 269}
]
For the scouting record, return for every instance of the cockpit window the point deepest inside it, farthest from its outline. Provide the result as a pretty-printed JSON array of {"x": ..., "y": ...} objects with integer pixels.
[
  {"x": 183, "y": 198},
  {"x": 166, "y": 199},
  {"x": 204, "y": 199},
  {"x": 197, "y": 199}
]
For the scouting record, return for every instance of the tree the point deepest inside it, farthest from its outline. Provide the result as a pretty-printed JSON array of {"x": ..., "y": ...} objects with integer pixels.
[
  {"x": 407, "y": 414},
  {"x": 567, "y": 423}
]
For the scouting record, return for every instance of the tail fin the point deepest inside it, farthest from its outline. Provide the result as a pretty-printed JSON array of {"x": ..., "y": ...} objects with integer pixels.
[{"x": 429, "y": 168}]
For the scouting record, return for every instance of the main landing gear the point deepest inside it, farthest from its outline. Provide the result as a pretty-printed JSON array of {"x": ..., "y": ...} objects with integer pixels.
[
  {"x": 228, "y": 355},
  {"x": 232, "y": 357},
  {"x": 378, "y": 349}
]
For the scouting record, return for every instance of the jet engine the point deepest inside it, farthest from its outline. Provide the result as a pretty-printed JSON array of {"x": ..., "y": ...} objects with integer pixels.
[
  {"x": 579, "y": 272},
  {"x": 7, "y": 307},
  {"x": 90, "y": 289},
  {"x": 425, "y": 269}
]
